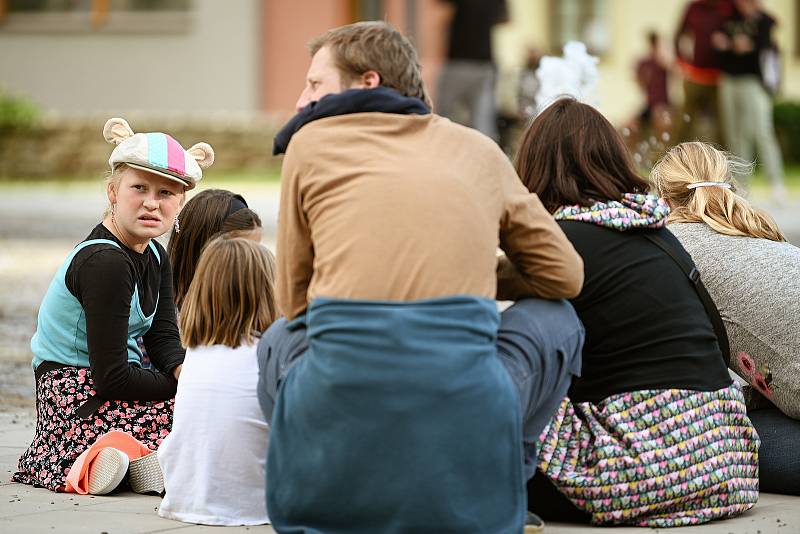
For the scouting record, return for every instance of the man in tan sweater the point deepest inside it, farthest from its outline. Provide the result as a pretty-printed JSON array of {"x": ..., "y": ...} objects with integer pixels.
[{"x": 383, "y": 201}]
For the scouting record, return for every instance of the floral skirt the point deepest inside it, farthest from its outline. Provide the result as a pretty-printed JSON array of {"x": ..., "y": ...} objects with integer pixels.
[
  {"x": 654, "y": 458},
  {"x": 61, "y": 435}
]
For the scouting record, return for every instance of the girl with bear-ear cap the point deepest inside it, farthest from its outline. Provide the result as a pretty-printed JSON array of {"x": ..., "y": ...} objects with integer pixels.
[{"x": 115, "y": 286}]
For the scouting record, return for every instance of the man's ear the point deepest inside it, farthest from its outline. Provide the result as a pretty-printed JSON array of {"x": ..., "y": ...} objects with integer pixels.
[{"x": 370, "y": 79}]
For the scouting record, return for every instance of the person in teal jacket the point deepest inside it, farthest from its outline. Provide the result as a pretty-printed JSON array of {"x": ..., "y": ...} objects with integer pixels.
[{"x": 114, "y": 287}]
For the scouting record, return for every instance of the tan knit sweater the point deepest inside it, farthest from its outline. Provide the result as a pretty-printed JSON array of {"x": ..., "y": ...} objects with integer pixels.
[{"x": 396, "y": 207}]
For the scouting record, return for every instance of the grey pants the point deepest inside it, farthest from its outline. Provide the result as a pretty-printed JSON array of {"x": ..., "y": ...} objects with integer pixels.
[
  {"x": 747, "y": 120},
  {"x": 466, "y": 94},
  {"x": 539, "y": 343}
]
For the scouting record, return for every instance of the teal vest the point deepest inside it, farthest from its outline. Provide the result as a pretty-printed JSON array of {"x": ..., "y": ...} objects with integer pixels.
[{"x": 61, "y": 330}]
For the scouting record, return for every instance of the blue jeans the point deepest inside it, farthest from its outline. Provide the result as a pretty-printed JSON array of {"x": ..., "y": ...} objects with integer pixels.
[
  {"x": 778, "y": 456},
  {"x": 539, "y": 342}
]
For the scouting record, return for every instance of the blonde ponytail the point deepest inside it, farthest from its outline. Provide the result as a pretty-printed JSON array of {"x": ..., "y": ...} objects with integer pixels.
[{"x": 717, "y": 206}]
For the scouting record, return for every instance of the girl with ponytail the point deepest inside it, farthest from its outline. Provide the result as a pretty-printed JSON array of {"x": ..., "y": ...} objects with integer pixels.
[
  {"x": 753, "y": 275},
  {"x": 697, "y": 180}
]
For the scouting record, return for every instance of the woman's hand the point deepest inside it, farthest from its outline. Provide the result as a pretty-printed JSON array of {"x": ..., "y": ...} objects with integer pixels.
[{"x": 176, "y": 372}]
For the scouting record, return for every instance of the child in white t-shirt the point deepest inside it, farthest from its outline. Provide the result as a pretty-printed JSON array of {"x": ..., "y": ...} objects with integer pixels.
[{"x": 214, "y": 460}]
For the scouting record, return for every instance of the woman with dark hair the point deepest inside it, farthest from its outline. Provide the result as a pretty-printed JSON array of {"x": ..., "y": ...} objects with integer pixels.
[
  {"x": 209, "y": 213},
  {"x": 654, "y": 432}
]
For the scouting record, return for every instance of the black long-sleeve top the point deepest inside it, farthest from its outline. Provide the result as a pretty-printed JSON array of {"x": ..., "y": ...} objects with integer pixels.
[
  {"x": 758, "y": 31},
  {"x": 646, "y": 327},
  {"x": 102, "y": 277}
]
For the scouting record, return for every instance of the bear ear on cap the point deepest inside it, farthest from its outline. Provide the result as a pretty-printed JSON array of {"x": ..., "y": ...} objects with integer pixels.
[
  {"x": 117, "y": 130},
  {"x": 203, "y": 154}
]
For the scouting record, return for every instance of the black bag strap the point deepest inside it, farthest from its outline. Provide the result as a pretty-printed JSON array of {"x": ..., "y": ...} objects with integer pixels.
[{"x": 688, "y": 267}]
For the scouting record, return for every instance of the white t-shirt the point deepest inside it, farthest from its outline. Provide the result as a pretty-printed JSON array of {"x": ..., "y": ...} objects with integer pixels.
[{"x": 214, "y": 459}]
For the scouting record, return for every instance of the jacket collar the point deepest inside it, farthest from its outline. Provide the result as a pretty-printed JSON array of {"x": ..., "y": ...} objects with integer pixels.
[
  {"x": 380, "y": 99},
  {"x": 634, "y": 210}
]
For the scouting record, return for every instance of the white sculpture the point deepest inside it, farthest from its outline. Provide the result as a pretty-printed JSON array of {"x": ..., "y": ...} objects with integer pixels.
[{"x": 574, "y": 74}]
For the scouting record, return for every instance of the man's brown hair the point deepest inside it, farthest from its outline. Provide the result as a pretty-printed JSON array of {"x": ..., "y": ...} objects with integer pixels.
[
  {"x": 374, "y": 45},
  {"x": 571, "y": 154},
  {"x": 231, "y": 298}
]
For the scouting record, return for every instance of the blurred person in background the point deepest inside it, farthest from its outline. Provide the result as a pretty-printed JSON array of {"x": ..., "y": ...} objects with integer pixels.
[
  {"x": 528, "y": 85},
  {"x": 466, "y": 91},
  {"x": 652, "y": 75},
  {"x": 699, "y": 65},
  {"x": 747, "y": 57}
]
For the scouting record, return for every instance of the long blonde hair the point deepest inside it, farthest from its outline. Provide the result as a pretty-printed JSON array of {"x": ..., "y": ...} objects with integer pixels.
[
  {"x": 231, "y": 298},
  {"x": 719, "y": 207}
]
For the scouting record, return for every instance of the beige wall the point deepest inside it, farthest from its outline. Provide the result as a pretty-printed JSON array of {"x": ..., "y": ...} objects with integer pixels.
[
  {"x": 288, "y": 25},
  {"x": 628, "y": 21},
  {"x": 212, "y": 66},
  {"x": 249, "y": 55}
]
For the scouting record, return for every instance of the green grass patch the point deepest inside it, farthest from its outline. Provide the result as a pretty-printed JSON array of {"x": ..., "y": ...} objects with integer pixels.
[
  {"x": 760, "y": 187},
  {"x": 273, "y": 175}
]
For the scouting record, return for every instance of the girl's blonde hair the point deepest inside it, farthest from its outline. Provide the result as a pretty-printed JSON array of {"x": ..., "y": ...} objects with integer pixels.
[
  {"x": 231, "y": 299},
  {"x": 719, "y": 207}
]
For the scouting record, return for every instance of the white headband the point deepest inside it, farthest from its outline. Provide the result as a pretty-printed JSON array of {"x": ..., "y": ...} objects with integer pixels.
[{"x": 695, "y": 185}]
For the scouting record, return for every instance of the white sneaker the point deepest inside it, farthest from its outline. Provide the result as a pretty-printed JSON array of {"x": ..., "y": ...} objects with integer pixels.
[
  {"x": 145, "y": 475},
  {"x": 107, "y": 471}
]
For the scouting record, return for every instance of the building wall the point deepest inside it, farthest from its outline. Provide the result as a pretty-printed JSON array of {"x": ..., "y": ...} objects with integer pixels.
[
  {"x": 250, "y": 55},
  {"x": 212, "y": 65},
  {"x": 788, "y": 14},
  {"x": 288, "y": 25}
]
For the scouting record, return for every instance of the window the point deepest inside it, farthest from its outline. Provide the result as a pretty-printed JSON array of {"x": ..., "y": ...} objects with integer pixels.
[
  {"x": 579, "y": 20},
  {"x": 79, "y": 16},
  {"x": 367, "y": 10},
  {"x": 48, "y": 5}
]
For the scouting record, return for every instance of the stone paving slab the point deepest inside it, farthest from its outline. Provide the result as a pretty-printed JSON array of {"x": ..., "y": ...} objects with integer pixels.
[{"x": 24, "y": 509}]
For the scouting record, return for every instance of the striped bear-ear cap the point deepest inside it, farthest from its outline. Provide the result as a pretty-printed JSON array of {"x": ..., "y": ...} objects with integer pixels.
[{"x": 155, "y": 152}]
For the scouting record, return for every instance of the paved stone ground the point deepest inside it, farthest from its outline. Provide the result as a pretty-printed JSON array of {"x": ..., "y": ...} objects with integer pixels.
[
  {"x": 38, "y": 226},
  {"x": 25, "y": 509}
]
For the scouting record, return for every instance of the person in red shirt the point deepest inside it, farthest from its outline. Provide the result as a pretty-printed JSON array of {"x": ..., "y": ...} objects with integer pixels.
[
  {"x": 699, "y": 65},
  {"x": 652, "y": 75}
]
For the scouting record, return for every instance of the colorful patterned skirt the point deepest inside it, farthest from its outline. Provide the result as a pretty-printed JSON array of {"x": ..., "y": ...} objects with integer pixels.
[
  {"x": 61, "y": 435},
  {"x": 654, "y": 458}
]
